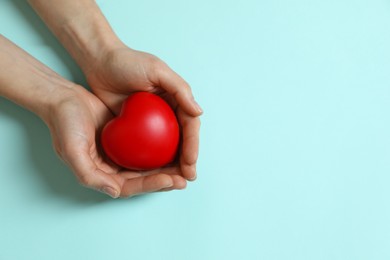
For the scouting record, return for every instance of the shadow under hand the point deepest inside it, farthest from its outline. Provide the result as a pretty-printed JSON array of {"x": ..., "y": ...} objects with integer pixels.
[
  {"x": 49, "y": 39},
  {"x": 60, "y": 179}
]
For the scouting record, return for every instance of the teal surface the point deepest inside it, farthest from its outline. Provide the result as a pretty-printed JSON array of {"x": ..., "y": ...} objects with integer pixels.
[{"x": 295, "y": 143}]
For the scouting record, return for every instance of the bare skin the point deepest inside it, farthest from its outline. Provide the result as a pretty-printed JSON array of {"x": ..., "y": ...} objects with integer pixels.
[{"x": 76, "y": 116}]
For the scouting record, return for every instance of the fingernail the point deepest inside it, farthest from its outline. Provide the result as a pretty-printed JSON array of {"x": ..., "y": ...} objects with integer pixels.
[
  {"x": 111, "y": 192},
  {"x": 193, "y": 177},
  {"x": 197, "y": 107}
]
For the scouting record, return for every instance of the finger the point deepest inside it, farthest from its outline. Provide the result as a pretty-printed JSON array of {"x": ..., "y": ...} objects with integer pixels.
[
  {"x": 180, "y": 184},
  {"x": 179, "y": 89},
  {"x": 165, "y": 190},
  {"x": 112, "y": 100},
  {"x": 90, "y": 176},
  {"x": 171, "y": 170},
  {"x": 146, "y": 184},
  {"x": 190, "y": 145},
  {"x": 129, "y": 174}
]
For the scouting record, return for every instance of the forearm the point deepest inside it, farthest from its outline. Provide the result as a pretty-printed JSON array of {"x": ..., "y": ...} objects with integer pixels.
[
  {"x": 26, "y": 81},
  {"x": 80, "y": 26}
]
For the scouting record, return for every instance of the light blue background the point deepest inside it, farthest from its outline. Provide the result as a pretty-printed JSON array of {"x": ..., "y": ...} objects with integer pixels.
[{"x": 295, "y": 143}]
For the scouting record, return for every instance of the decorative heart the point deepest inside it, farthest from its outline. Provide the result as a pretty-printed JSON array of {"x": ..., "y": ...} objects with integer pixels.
[{"x": 144, "y": 136}]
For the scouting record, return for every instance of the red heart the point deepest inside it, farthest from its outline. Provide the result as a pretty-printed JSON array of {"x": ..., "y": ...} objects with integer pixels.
[{"x": 144, "y": 136}]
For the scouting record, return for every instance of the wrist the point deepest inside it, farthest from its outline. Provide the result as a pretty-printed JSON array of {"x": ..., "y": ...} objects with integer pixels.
[
  {"x": 27, "y": 82},
  {"x": 80, "y": 26},
  {"x": 88, "y": 38},
  {"x": 53, "y": 95}
]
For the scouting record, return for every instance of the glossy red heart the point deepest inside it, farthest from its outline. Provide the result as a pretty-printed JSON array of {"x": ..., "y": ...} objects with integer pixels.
[{"x": 144, "y": 136}]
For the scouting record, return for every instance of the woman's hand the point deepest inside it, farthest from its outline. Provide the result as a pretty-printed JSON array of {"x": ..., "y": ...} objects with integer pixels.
[
  {"x": 122, "y": 71},
  {"x": 75, "y": 122},
  {"x": 75, "y": 118},
  {"x": 114, "y": 71}
]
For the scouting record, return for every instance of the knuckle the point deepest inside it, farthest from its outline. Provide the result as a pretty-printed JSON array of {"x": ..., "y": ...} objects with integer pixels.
[
  {"x": 187, "y": 86},
  {"x": 191, "y": 122},
  {"x": 84, "y": 180},
  {"x": 156, "y": 63}
]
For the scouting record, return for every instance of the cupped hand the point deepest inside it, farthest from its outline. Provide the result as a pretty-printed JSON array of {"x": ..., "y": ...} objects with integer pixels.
[
  {"x": 122, "y": 71},
  {"x": 75, "y": 123}
]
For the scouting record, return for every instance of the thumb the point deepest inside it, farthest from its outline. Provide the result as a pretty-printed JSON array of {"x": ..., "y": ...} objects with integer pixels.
[
  {"x": 179, "y": 89},
  {"x": 89, "y": 175}
]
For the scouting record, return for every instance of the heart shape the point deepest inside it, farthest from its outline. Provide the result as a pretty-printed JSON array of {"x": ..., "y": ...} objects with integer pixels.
[{"x": 144, "y": 136}]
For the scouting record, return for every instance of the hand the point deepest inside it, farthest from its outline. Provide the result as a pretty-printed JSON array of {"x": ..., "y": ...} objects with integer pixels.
[
  {"x": 75, "y": 117},
  {"x": 114, "y": 71},
  {"x": 75, "y": 122},
  {"x": 121, "y": 71}
]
